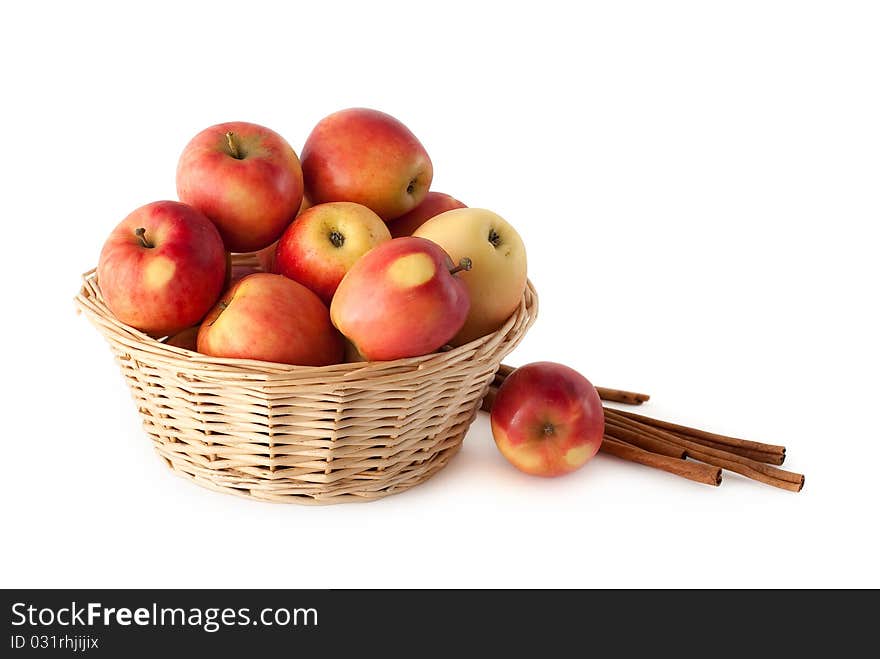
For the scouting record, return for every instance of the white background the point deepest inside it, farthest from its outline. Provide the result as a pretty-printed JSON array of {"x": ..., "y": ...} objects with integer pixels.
[{"x": 697, "y": 186}]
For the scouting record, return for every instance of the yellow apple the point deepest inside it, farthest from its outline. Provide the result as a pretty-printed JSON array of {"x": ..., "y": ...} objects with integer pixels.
[{"x": 497, "y": 278}]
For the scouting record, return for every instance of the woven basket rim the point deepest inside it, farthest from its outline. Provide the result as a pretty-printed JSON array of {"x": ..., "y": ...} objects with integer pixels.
[{"x": 90, "y": 302}]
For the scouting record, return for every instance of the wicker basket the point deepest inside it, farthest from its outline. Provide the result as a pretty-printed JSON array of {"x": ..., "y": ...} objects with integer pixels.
[{"x": 348, "y": 432}]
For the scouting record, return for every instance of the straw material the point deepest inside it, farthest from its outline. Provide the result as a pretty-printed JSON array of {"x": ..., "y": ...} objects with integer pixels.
[{"x": 304, "y": 434}]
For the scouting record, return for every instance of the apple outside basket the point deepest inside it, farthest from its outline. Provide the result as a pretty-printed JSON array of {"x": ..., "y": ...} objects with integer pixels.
[{"x": 305, "y": 434}]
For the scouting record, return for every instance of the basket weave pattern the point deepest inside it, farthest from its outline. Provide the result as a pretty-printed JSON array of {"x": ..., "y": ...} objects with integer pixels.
[{"x": 348, "y": 432}]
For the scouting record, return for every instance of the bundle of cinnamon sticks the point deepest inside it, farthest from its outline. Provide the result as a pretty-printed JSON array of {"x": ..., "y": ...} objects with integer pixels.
[{"x": 691, "y": 453}]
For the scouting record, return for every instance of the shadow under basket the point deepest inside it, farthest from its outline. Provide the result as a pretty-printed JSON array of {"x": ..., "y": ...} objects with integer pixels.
[{"x": 305, "y": 434}]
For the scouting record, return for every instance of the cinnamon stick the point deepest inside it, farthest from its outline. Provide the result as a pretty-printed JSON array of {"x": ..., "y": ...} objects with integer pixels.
[
  {"x": 767, "y": 458},
  {"x": 702, "y": 434},
  {"x": 621, "y": 396},
  {"x": 695, "y": 471},
  {"x": 793, "y": 485},
  {"x": 643, "y": 441},
  {"x": 751, "y": 468},
  {"x": 758, "y": 456}
]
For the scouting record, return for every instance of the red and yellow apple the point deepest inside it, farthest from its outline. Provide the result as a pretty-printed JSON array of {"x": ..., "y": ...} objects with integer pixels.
[
  {"x": 498, "y": 278},
  {"x": 401, "y": 299},
  {"x": 352, "y": 356},
  {"x": 246, "y": 178},
  {"x": 367, "y": 157},
  {"x": 325, "y": 241},
  {"x": 162, "y": 268},
  {"x": 185, "y": 338},
  {"x": 271, "y": 318},
  {"x": 433, "y": 204},
  {"x": 266, "y": 256},
  {"x": 547, "y": 419}
]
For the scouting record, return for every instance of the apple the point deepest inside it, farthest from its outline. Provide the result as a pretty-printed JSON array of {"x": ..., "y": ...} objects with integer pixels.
[
  {"x": 547, "y": 419},
  {"x": 246, "y": 178},
  {"x": 367, "y": 157},
  {"x": 352, "y": 356},
  {"x": 162, "y": 268},
  {"x": 401, "y": 299},
  {"x": 271, "y": 318},
  {"x": 498, "y": 278},
  {"x": 266, "y": 256},
  {"x": 185, "y": 338},
  {"x": 433, "y": 204},
  {"x": 325, "y": 241}
]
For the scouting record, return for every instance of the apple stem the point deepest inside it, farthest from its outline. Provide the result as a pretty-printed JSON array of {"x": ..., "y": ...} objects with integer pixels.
[
  {"x": 139, "y": 232},
  {"x": 464, "y": 264},
  {"x": 233, "y": 148}
]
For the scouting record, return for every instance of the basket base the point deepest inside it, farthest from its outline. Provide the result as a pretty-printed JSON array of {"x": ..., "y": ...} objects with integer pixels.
[
  {"x": 285, "y": 492},
  {"x": 301, "y": 434}
]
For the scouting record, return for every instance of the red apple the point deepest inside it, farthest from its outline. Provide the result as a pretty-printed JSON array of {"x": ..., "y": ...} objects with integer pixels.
[
  {"x": 246, "y": 178},
  {"x": 547, "y": 419},
  {"x": 433, "y": 204},
  {"x": 401, "y": 299},
  {"x": 367, "y": 157},
  {"x": 266, "y": 256},
  {"x": 271, "y": 318},
  {"x": 352, "y": 356},
  {"x": 162, "y": 268},
  {"x": 325, "y": 241},
  {"x": 185, "y": 338}
]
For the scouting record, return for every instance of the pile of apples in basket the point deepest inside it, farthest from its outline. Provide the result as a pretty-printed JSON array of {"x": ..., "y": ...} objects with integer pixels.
[{"x": 360, "y": 261}]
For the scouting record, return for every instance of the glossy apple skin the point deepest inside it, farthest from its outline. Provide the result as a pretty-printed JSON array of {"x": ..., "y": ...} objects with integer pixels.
[
  {"x": 498, "y": 278},
  {"x": 251, "y": 198},
  {"x": 433, "y": 204},
  {"x": 266, "y": 256},
  {"x": 400, "y": 300},
  {"x": 547, "y": 419},
  {"x": 170, "y": 286},
  {"x": 308, "y": 254},
  {"x": 367, "y": 157},
  {"x": 271, "y": 318}
]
